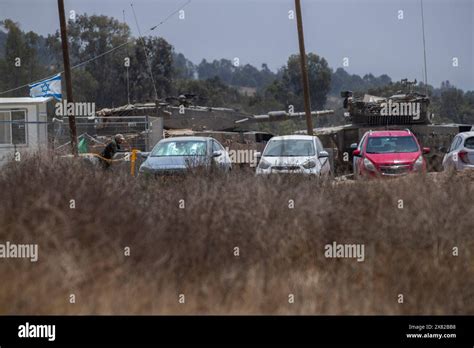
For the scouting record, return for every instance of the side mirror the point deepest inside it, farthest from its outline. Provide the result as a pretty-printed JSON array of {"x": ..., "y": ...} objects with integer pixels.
[
  {"x": 323, "y": 154},
  {"x": 354, "y": 146},
  {"x": 426, "y": 150},
  {"x": 143, "y": 154},
  {"x": 356, "y": 152},
  {"x": 442, "y": 149},
  {"x": 257, "y": 154},
  {"x": 216, "y": 153}
]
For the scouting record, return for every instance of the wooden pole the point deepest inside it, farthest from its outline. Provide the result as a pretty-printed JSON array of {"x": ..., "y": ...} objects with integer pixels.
[
  {"x": 304, "y": 70},
  {"x": 67, "y": 75}
]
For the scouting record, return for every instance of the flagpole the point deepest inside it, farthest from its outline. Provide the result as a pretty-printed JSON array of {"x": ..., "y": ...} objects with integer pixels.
[{"x": 67, "y": 75}]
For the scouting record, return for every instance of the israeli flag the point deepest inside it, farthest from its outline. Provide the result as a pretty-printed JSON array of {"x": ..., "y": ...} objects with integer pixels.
[{"x": 47, "y": 88}]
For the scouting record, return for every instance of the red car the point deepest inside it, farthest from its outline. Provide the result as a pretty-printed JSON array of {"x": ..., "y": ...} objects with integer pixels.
[{"x": 388, "y": 153}]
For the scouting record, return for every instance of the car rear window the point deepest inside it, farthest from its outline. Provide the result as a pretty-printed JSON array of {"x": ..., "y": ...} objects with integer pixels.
[
  {"x": 391, "y": 144},
  {"x": 469, "y": 143}
]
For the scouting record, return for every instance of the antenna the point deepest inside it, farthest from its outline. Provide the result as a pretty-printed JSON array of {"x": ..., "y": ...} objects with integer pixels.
[
  {"x": 424, "y": 46},
  {"x": 146, "y": 54},
  {"x": 128, "y": 56}
]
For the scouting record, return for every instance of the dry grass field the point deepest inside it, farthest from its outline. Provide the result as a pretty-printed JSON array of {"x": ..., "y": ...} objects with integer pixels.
[{"x": 190, "y": 250}]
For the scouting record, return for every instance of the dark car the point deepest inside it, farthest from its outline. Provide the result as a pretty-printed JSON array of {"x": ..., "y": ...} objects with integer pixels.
[{"x": 178, "y": 154}]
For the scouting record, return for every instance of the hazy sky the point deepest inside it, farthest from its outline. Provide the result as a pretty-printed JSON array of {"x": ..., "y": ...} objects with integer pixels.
[{"x": 368, "y": 32}]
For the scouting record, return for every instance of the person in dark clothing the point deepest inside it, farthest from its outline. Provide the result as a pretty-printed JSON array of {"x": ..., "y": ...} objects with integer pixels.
[{"x": 111, "y": 148}]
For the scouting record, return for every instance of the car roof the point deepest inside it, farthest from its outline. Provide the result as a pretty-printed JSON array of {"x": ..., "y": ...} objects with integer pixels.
[
  {"x": 294, "y": 137},
  {"x": 390, "y": 133},
  {"x": 186, "y": 138}
]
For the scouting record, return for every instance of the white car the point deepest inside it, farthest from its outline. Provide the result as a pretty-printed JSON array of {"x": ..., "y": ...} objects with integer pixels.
[
  {"x": 294, "y": 154},
  {"x": 461, "y": 152}
]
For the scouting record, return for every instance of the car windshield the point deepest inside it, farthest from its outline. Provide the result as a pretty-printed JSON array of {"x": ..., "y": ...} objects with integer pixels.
[
  {"x": 293, "y": 147},
  {"x": 180, "y": 148},
  {"x": 391, "y": 144},
  {"x": 469, "y": 143}
]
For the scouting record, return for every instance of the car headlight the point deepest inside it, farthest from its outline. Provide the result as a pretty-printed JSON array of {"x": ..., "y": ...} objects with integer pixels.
[
  {"x": 309, "y": 164},
  {"x": 418, "y": 165},
  {"x": 263, "y": 164},
  {"x": 369, "y": 165}
]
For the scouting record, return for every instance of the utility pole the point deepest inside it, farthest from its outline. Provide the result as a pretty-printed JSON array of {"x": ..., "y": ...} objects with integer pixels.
[
  {"x": 67, "y": 75},
  {"x": 304, "y": 69}
]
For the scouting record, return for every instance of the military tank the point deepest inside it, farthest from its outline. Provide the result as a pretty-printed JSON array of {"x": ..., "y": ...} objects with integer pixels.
[
  {"x": 178, "y": 116},
  {"x": 403, "y": 110},
  {"x": 181, "y": 112}
]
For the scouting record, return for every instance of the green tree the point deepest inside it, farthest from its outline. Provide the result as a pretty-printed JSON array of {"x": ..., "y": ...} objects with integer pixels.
[
  {"x": 223, "y": 69},
  {"x": 160, "y": 58},
  {"x": 211, "y": 92},
  {"x": 103, "y": 77},
  {"x": 20, "y": 64},
  {"x": 341, "y": 80},
  {"x": 453, "y": 106},
  {"x": 289, "y": 90},
  {"x": 241, "y": 76},
  {"x": 182, "y": 67}
]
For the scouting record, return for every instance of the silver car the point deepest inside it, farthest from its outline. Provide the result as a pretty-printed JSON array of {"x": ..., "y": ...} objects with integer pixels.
[
  {"x": 294, "y": 154},
  {"x": 178, "y": 154},
  {"x": 461, "y": 152}
]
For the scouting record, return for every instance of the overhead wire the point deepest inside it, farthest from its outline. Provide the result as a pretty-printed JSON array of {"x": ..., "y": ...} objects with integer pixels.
[{"x": 104, "y": 53}]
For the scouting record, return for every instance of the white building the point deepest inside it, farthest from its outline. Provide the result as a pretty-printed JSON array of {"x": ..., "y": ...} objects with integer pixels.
[{"x": 23, "y": 126}]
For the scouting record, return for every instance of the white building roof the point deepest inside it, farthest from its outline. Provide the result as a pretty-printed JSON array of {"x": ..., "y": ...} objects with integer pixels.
[{"x": 25, "y": 100}]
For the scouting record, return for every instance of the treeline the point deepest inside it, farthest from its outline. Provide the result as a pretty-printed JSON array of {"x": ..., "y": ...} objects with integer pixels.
[
  {"x": 342, "y": 80},
  {"x": 159, "y": 73},
  {"x": 27, "y": 57}
]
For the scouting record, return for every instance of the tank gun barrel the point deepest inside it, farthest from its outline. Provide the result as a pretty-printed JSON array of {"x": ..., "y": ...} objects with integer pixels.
[{"x": 274, "y": 116}]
